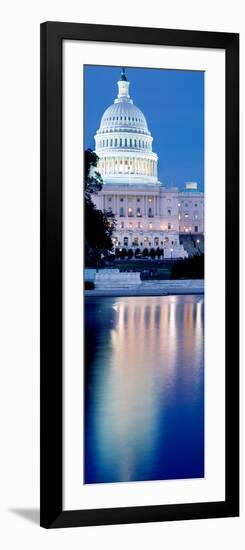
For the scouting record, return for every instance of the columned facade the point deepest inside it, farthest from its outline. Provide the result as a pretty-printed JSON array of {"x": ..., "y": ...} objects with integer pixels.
[{"x": 148, "y": 215}]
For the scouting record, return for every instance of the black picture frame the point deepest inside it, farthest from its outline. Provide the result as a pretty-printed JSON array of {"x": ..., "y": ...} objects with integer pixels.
[{"x": 52, "y": 35}]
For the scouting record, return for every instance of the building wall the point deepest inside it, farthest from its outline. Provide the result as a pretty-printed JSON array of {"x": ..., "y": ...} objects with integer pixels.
[
  {"x": 191, "y": 212},
  {"x": 152, "y": 216}
]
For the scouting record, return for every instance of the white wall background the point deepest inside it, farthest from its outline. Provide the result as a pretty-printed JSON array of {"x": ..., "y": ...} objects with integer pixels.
[{"x": 19, "y": 286}]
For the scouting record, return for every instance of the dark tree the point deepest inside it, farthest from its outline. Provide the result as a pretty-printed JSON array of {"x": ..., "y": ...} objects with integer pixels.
[
  {"x": 130, "y": 253},
  {"x": 93, "y": 179},
  {"x": 189, "y": 268},
  {"x": 123, "y": 253},
  {"x": 99, "y": 225},
  {"x": 145, "y": 252},
  {"x": 152, "y": 253}
]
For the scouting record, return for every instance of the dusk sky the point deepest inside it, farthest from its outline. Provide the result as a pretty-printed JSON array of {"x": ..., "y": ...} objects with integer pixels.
[{"x": 173, "y": 104}]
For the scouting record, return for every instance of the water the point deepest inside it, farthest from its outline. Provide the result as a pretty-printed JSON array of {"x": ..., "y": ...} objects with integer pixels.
[{"x": 144, "y": 388}]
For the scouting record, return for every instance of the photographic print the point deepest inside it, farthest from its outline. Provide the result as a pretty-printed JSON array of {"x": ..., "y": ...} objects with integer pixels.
[
  {"x": 144, "y": 249},
  {"x": 139, "y": 275}
]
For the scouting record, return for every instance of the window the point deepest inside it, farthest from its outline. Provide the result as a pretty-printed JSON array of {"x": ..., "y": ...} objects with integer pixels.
[
  {"x": 130, "y": 143},
  {"x": 109, "y": 199},
  {"x": 169, "y": 226},
  {"x": 196, "y": 228},
  {"x": 138, "y": 199},
  {"x": 126, "y": 142},
  {"x": 121, "y": 199},
  {"x": 138, "y": 212},
  {"x": 122, "y": 225},
  {"x": 115, "y": 142},
  {"x": 150, "y": 225},
  {"x": 120, "y": 142},
  {"x": 125, "y": 241},
  {"x": 135, "y": 143},
  {"x": 111, "y": 143},
  {"x": 169, "y": 211},
  {"x": 121, "y": 212},
  {"x": 150, "y": 214},
  {"x": 130, "y": 212}
]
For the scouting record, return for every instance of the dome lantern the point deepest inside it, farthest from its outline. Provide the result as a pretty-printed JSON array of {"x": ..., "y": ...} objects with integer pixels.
[{"x": 123, "y": 87}]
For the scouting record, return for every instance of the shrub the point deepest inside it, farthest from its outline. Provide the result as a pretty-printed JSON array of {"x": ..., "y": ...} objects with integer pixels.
[
  {"x": 89, "y": 285},
  {"x": 123, "y": 253},
  {"x": 189, "y": 268},
  {"x": 111, "y": 257}
]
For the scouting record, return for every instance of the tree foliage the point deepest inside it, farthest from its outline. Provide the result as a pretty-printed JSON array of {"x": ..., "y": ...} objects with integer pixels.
[
  {"x": 99, "y": 225},
  {"x": 189, "y": 268}
]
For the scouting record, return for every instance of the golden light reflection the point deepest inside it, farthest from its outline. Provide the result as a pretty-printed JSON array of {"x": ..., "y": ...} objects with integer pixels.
[{"x": 156, "y": 346}]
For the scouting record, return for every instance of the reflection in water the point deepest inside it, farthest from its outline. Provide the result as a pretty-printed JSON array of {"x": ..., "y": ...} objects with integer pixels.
[{"x": 144, "y": 388}]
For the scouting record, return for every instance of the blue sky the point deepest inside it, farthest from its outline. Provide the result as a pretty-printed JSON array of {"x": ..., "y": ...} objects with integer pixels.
[{"x": 173, "y": 104}]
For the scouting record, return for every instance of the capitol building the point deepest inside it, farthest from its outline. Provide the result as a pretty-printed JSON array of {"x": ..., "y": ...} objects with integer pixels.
[{"x": 148, "y": 214}]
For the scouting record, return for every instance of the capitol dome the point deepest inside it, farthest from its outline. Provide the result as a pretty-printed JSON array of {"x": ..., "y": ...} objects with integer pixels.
[
  {"x": 124, "y": 142},
  {"x": 123, "y": 116}
]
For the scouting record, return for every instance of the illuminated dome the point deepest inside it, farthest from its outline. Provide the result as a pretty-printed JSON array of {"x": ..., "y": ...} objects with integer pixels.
[{"x": 124, "y": 142}]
